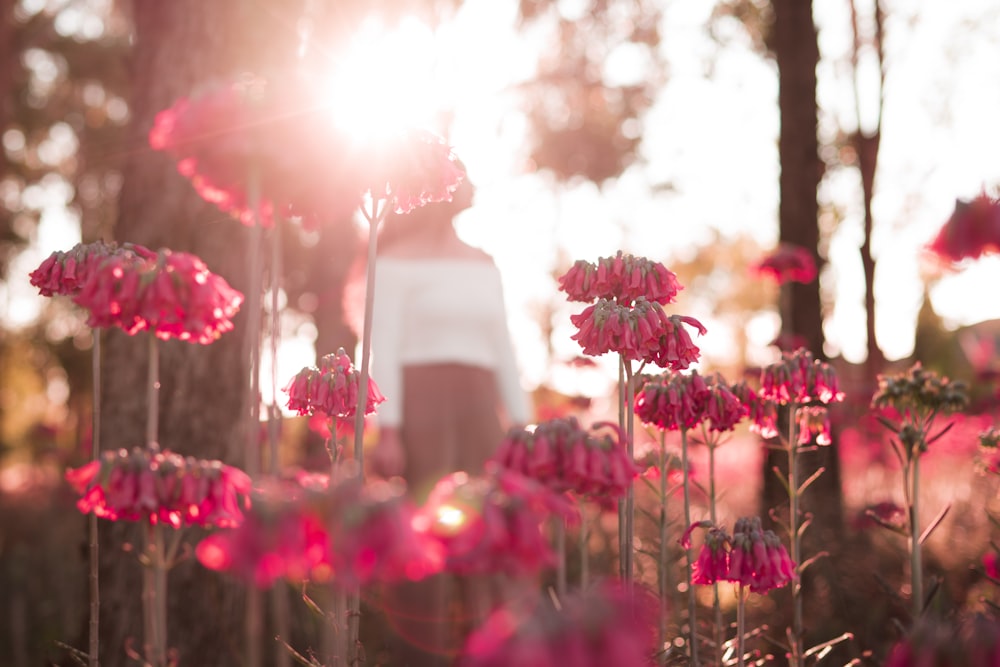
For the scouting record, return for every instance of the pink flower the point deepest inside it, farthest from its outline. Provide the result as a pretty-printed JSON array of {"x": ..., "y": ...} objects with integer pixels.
[
  {"x": 814, "y": 421},
  {"x": 161, "y": 487},
  {"x": 171, "y": 294},
  {"x": 490, "y": 523},
  {"x": 564, "y": 456},
  {"x": 972, "y": 230},
  {"x": 991, "y": 564},
  {"x": 800, "y": 378},
  {"x": 712, "y": 564},
  {"x": 673, "y": 401},
  {"x": 762, "y": 412},
  {"x": 420, "y": 168},
  {"x": 65, "y": 273},
  {"x": 622, "y": 278},
  {"x": 331, "y": 389},
  {"x": 758, "y": 560},
  {"x": 789, "y": 263},
  {"x": 604, "y": 625}
]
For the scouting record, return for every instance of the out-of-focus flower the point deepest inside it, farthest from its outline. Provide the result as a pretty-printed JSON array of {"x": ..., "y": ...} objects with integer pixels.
[
  {"x": 623, "y": 278},
  {"x": 491, "y": 523},
  {"x": 789, "y": 263},
  {"x": 172, "y": 295},
  {"x": 604, "y": 625},
  {"x": 65, "y": 273},
  {"x": 991, "y": 564},
  {"x": 712, "y": 564},
  {"x": 161, "y": 487},
  {"x": 564, "y": 456},
  {"x": 920, "y": 392},
  {"x": 800, "y": 378},
  {"x": 674, "y": 401},
  {"x": 762, "y": 412},
  {"x": 971, "y": 642},
  {"x": 888, "y": 515},
  {"x": 814, "y": 420},
  {"x": 642, "y": 332},
  {"x": 331, "y": 389},
  {"x": 972, "y": 230},
  {"x": 233, "y": 138},
  {"x": 757, "y": 558},
  {"x": 307, "y": 529}
]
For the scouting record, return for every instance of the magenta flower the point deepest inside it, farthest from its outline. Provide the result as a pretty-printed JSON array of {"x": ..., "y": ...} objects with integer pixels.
[
  {"x": 172, "y": 295},
  {"x": 758, "y": 560},
  {"x": 622, "y": 278},
  {"x": 641, "y": 332},
  {"x": 814, "y": 421},
  {"x": 604, "y": 625},
  {"x": 789, "y": 263},
  {"x": 712, "y": 564},
  {"x": 491, "y": 524},
  {"x": 65, "y": 273},
  {"x": 972, "y": 230},
  {"x": 675, "y": 401},
  {"x": 800, "y": 378},
  {"x": 564, "y": 456},
  {"x": 761, "y": 412},
  {"x": 161, "y": 487},
  {"x": 331, "y": 389}
]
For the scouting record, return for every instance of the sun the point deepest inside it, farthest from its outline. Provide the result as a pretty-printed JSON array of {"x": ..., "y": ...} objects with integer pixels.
[{"x": 386, "y": 81}]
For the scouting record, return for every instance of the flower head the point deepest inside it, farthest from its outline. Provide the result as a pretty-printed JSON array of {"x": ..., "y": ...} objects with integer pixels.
[
  {"x": 622, "y": 278},
  {"x": 712, "y": 564},
  {"x": 161, "y": 487},
  {"x": 920, "y": 391},
  {"x": 800, "y": 378},
  {"x": 331, "y": 389},
  {"x": 762, "y": 412},
  {"x": 789, "y": 263},
  {"x": 972, "y": 230},
  {"x": 814, "y": 420},
  {"x": 758, "y": 559},
  {"x": 66, "y": 272}
]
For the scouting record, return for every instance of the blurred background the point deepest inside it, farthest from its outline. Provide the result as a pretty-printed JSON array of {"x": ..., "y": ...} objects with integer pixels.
[{"x": 699, "y": 134}]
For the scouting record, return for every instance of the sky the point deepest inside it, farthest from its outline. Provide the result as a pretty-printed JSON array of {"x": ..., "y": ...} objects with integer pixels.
[{"x": 713, "y": 137}]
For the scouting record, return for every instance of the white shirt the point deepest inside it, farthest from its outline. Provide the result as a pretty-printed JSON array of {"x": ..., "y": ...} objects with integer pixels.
[{"x": 441, "y": 310}]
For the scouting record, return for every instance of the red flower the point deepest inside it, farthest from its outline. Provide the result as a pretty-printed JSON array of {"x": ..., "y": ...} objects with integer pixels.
[
  {"x": 758, "y": 559},
  {"x": 789, "y": 263},
  {"x": 762, "y": 412},
  {"x": 622, "y": 278},
  {"x": 712, "y": 564},
  {"x": 171, "y": 294},
  {"x": 141, "y": 485},
  {"x": 972, "y": 230},
  {"x": 814, "y": 421},
  {"x": 331, "y": 389}
]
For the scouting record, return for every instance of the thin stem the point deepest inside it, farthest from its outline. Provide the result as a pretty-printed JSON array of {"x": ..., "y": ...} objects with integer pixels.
[
  {"x": 629, "y": 554},
  {"x": 793, "y": 530},
  {"x": 692, "y": 599},
  {"x": 584, "y": 549},
  {"x": 916, "y": 568},
  {"x": 160, "y": 600},
  {"x": 153, "y": 394},
  {"x": 741, "y": 622},
  {"x": 716, "y": 606},
  {"x": 560, "y": 539},
  {"x": 663, "y": 564},
  {"x": 623, "y": 545},
  {"x": 95, "y": 453},
  {"x": 154, "y": 608}
]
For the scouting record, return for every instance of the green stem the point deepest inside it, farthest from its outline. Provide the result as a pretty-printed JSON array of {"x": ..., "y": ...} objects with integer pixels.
[
  {"x": 793, "y": 530},
  {"x": 95, "y": 453},
  {"x": 741, "y": 623},
  {"x": 716, "y": 606},
  {"x": 630, "y": 491},
  {"x": 584, "y": 549},
  {"x": 560, "y": 539},
  {"x": 916, "y": 568},
  {"x": 154, "y": 594},
  {"x": 692, "y": 598},
  {"x": 153, "y": 394},
  {"x": 623, "y": 542}
]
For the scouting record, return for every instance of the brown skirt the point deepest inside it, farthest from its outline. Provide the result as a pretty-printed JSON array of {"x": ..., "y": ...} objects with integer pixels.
[{"x": 451, "y": 422}]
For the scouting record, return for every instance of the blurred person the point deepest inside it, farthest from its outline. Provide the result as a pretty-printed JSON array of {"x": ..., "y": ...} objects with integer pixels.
[{"x": 442, "y": 355}]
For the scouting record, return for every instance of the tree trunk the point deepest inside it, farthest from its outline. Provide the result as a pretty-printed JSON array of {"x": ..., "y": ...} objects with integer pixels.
[{"x": 180, "y": 45}]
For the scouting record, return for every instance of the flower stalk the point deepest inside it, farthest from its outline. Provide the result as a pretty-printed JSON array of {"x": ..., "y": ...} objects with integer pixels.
[
  {"x": 93, "y": 647},
  {"x": 794, "y": 534},
  {"x": 692, "y": 598}
]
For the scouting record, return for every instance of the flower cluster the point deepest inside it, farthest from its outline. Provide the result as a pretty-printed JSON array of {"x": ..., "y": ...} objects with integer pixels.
[
  {"x": 800, "y": 378},
  {"x": 605, "y": 625},
  {"x": 309, "y": 530},
  {"x": 814, "y": 420},
  {"x": 171, "y": 294},
  {"x": 788, "y": 263},
  {"x": 752, "y": 557},
  {"x": 641, "y": 332},
  {"x": 331, "y": 389},
  {"x": 622, "y": 278},
  {"x": 161, "y": 487},
  {"x": 674, "y": 401},
  {"x": 564, "y": 456},
  {"x": 988, "y": 460},
  {"x": 491, "y": 523},
  {"x": 972, "y": 230},
  {"x": 761, "y": 412},
  {"x": 65, "y": 273},
  {"x": 234, "y": 137},
  {"x": 919, "y": 391}
]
